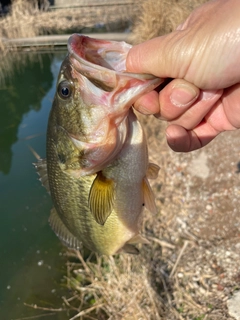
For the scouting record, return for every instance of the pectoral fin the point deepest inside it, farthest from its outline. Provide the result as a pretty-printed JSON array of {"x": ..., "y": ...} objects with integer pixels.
[
  {"x": 101, "y": 198},
  {"x": 148, "y": 196},
  {"x": 62, "y": 231},
  {"x": 41, "y": 167},
  {"x": 152, "y": 171}
]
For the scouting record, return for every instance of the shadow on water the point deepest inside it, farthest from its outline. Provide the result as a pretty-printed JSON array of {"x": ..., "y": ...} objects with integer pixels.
[
  {"x": 21, "y": 92},
  {"x": 32, "y": 261}
]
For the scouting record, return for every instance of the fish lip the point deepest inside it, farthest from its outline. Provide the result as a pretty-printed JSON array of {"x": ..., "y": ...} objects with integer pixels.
[{"x": 78, "y": 45}]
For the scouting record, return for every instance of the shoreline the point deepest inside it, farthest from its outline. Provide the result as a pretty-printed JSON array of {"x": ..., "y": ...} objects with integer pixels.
[{"x": 57, "y": 41}]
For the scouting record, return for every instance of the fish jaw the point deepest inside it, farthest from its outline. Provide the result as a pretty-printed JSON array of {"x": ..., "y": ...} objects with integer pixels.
[
  {"x": 103, "y": 63},
  {"x": 102, "y": 53},
  {"x": 98, "y": 67}
]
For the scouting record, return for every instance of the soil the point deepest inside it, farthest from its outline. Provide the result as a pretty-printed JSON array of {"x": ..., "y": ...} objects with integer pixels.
[{"x": 198, "y": 224}]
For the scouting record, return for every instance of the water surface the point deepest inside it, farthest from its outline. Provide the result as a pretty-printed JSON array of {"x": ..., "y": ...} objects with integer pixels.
[{"x": 32, "y": 263}]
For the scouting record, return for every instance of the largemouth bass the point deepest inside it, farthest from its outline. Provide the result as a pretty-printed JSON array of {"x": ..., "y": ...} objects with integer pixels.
[{"x": 97, "y": 167}]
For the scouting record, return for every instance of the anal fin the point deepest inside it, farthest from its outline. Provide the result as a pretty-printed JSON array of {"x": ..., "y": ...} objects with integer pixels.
[
  {"x": 62, "y": 231},
  {"x": 129, "y": 248},
  {"x": 138, "y": 238}
]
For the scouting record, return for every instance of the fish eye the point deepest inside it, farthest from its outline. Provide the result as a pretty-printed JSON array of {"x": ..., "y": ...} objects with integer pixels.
[{"x": 64, "y": 89}]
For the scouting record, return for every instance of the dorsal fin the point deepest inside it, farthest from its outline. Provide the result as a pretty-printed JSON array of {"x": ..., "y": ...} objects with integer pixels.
[
  {"x": 62, "y": 231},
  {"x": 41, "y": 167},
  {"x": 101, "y": 198}
]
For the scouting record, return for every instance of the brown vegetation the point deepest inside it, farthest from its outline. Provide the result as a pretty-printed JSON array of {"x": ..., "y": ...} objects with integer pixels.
[
  {"x": 157, "y": 18},
  {"x": 26, "y": 19}
]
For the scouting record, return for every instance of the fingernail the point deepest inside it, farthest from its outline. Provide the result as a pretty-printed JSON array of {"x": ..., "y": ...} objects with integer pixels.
[
  {"x": 183, "y": 95},
  {"x": 209, "y": 94}
]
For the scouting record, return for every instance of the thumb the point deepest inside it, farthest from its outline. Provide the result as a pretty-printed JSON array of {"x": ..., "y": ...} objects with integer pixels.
[{"x": 159, "y": 56}]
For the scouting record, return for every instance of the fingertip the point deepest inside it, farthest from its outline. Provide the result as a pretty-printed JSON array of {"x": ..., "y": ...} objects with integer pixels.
[
  {"x": 148, "y": 104},
  {"x": 184, "y": 94},
  {"x": 176, "y": 98},
  {"x": 132, "y": 59},
  {"x": 181, "y": 140},
  {"x": 177, "y": 138}
]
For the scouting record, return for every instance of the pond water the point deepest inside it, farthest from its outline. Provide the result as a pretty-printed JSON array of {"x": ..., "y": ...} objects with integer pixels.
[{"x": 32, "y": 261}]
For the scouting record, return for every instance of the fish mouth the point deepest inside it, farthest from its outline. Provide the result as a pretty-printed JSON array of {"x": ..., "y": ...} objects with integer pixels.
[
  {"x": 94, "y": 57},
  {"x": 106, "y": 93}
]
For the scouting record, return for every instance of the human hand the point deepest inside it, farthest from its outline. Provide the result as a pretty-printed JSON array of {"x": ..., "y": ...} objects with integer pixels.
[{"x": 202, "y": 57}]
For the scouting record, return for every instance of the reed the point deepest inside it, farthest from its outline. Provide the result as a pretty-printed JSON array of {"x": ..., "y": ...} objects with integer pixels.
[
  {"x": 26, "y": 19},
  {"x": 161, "y": 17}
]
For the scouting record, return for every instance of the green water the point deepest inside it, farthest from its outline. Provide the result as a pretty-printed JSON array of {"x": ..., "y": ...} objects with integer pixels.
[{"x": 32, "y": 261}]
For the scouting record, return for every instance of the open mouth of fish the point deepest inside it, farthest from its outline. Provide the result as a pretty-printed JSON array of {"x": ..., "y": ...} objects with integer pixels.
[{"x": 104, "y": 62}]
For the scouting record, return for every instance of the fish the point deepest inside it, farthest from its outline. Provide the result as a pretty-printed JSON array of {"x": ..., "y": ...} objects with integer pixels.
[{"x": 97, "y": 168}]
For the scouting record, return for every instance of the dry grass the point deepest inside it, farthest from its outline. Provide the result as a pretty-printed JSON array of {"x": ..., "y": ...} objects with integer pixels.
[
  {"x": 19, "y": 23},
  {"x": 117, "y": 288},
  {"x": 161, "y": 17},
  {"x": 26, "y": 19}
]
